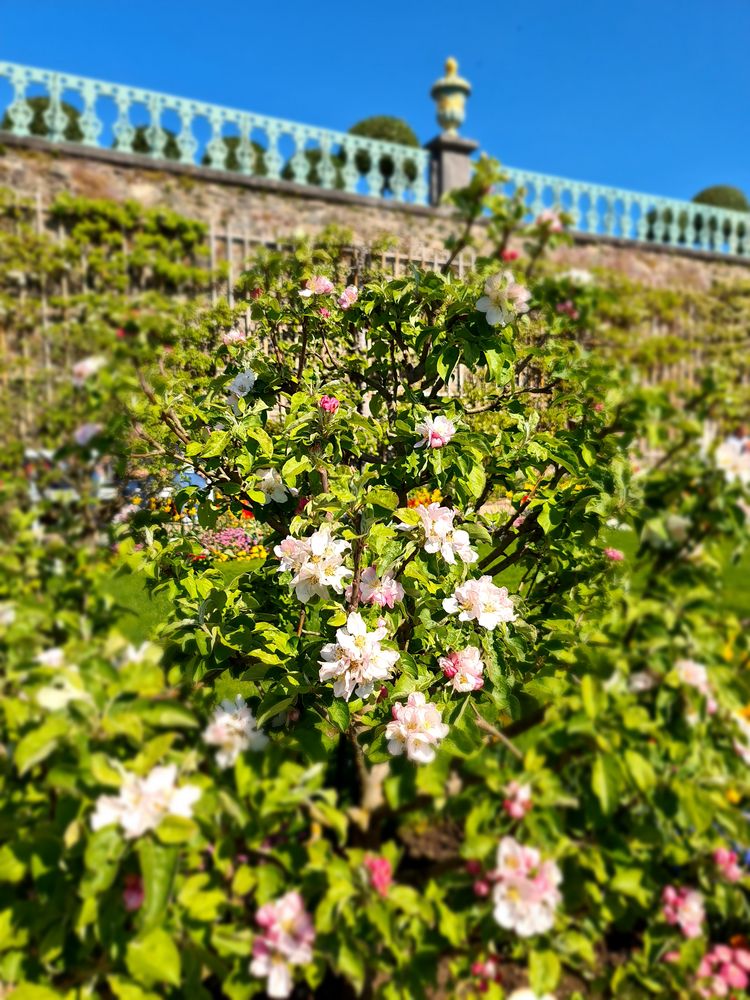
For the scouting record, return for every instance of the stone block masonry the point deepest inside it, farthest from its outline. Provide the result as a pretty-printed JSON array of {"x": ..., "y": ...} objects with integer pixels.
[{"x": 263, "y": 209}]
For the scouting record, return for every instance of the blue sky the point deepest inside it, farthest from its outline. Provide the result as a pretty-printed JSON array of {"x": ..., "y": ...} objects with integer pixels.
[{"x": 652, "y": 95}]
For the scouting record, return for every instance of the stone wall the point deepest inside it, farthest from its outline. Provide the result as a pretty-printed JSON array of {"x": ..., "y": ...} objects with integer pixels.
[{"x": 262, "y": 209}]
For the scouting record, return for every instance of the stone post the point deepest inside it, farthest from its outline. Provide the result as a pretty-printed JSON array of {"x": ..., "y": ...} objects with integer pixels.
[{"x": 450, "y": 165}]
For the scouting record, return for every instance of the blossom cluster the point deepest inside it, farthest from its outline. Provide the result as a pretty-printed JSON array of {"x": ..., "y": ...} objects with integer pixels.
[
  {"x": 233, "y": 730},
  {"x": 317, "y": 563},
  {"x": 416, "y": 730},
  {"x": 723, "y": 969},
  {"x": 286, "y": 939},
  {"x": 526, "y": 893},
  {"x": 683, "y": 908},
  {"x": 440, "y": 536},
  {"x": 356, "y": 660},
  {"x": 481, "y": 601},
  {"x": 143, "y": 803},
  {"x": 503, "y": 299},
  {"x": 464, "y": 669}
]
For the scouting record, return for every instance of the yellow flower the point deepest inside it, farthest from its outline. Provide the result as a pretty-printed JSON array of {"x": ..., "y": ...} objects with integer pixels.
[
  {"x": 733, "y": 796},
  {"x": 137, "y": 500}
]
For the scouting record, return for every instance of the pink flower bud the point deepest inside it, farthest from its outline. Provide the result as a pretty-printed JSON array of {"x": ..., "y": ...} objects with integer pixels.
[
  {"x": 481, "y": 888},
  {"x": 256, "y": 293},
  {"x": 325, "y": 313},
  {"x": 381, "y": 874},
  {"x": 473, "y": 868},
  {"x": 614, "y": 555},
  {"x": 510, "y": 255},
  {"x": 329, "y": 404}
]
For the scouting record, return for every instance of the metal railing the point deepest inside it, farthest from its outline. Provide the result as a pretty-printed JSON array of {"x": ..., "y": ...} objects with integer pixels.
[{"x": 61, "y": 107}]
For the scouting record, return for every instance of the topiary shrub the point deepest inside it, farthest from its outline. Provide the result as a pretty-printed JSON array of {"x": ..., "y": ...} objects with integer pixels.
[
  {"x": 388, "y": 129},
  {"x": 723, "y": 196}
]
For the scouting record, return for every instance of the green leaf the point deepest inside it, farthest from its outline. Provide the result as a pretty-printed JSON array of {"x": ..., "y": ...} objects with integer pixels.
[
  {"x": 544, "y": 971},
  {"x": 476, "y": 480},
  {"x": 338, "y": 712},
  {"x": 216, "y": 444},
  {"x": 158, "y": 866},
  {"x": 605, "y": 782},
  {"x": 640, "y": 770},
  {"x": 39, "y": 743},
  {"x": 550, "y": 518},
  {"x": 154, "y": 958},
  {"x": 382, "y": 497}
]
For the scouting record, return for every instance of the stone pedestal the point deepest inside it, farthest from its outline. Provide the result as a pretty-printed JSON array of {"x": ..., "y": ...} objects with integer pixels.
[{"x": 450, "y": 167}]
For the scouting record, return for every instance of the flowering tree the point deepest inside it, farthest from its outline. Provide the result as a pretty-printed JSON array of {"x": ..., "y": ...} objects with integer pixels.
[{"x": 440, "y": 733}]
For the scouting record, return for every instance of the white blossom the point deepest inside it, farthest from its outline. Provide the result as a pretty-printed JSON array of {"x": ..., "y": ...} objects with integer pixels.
[
  {"x": 54, "y": 657},
  {"x": 84, "y": 369},
  {"x": 733, "y": 458},
  {"x": 503, "y": 299},
  {"x": 440, "y": 535},
  {"x": 271, "y": 485},
  {"x": 317, "y": 564},
  {"x": 481, "y": 601},
  {"x": 233, "y": 729},
  {"x": 436, "y": 432},
  {"x": 416, "y": 730},
  {"x": 356, "y": 660},
  {"x": 143, "y": 803}
]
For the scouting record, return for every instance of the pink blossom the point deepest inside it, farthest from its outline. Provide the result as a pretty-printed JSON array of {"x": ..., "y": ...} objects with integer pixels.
[
  {"x": 517, "y": 800},
  {"x": 726, "y": 861},
  {"x": 481, "y": 601},
  {"x": 520, "y": 520},
  {"x": 86, "y": 433},
  {"x": 551, "y": 220},
  {"x": 436, "y": 432},
  {"x": 132, "y": 893},
  {"x": 683, "y": 908},
  {"x": 381, "y": 874},
  {"x": 233, "y": 337},
  {"x": 325, "y": 313},
  {"x": 598, "y": 407},
  {"x": 503, "y": 299},
  {"x": 348, "y": 297},
  {"x": 286, "y": 940},
  {"x": 615, "y": 555},
  {"x": 317, "y": 285},
  {"x": 526, "y": 894},
  {"x": 383, "y": 593},
  {"x": 464, "y": 669},
  {"x": 721, "y": 969},
  {"x": 329, "y": 404},
  {"x": 510, "y": 255},
  {"x": 416, "y": 730},
  {"x": 567, "y": 308}
]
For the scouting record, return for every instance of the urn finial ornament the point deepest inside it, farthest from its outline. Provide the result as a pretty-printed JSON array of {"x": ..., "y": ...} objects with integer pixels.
[{"x": 450, "y": 93}]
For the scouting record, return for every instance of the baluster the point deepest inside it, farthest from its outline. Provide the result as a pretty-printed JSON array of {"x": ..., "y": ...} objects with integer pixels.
[
  {"x": 298, "y": 165},
  {"x": 216, "y": 149},
  {"x": 245, "y": 152},
  {"x": 398, "y": 180},
  {"x": 273, "y": 157},
  {"x": 350, "y": 147},
  {"x": 642, "y": 223},
  {"x": 574, "y": 209},
  {"x": 626, "y": 223},
  {"x": 123, "y": 129},
  {"x": 19, "y": 112},
  {"x": 156, "y": 137},
  {"x": 610, "y": 212},
  {"x": 537, "y": 202},
  {"x": 55, "y": 118},
  {"x": 374, "y": 177},
  {"x": 327, "y": 170},
  {"x": 673, "y": 224},
  {"x": 186, "y": 141},
  {"x": 419, "y": 187},
  {"x": 692, "y": 233},
  {"x": 90, "y": 124}
]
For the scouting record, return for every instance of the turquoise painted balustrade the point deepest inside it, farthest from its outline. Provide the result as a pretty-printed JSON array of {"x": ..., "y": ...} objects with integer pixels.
[
  {"x": 61, "y": 107},
  {"x": 608, "y": 211}
]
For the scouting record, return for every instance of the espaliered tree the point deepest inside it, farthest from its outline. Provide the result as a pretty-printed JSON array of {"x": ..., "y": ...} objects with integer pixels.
[{"x": 444, "y": 738}]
